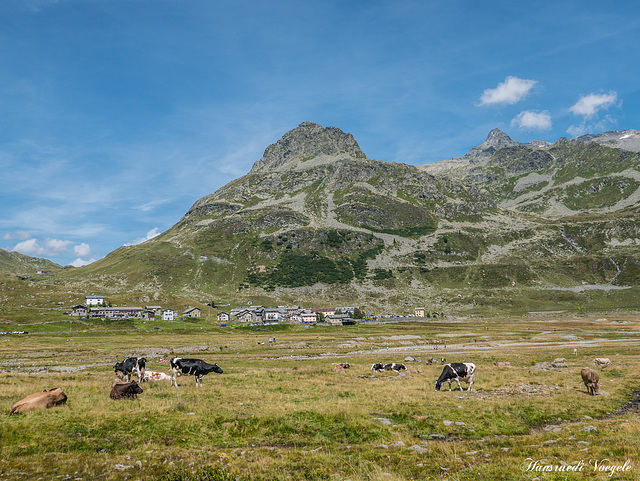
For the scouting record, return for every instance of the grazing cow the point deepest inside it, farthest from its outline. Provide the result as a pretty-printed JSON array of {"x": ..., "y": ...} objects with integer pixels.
[
  {"x": 197, "y": 367},
  {"x": 121, "y": 390},
  {"x": 40, "y": 400},
  {"x": 399, "y": 367},
  {"x": 155, "y": 376},
  {"x": 458, "y": 371},
  {"x": 129, "y": 365},
  {"x": 377, "y": 367},
  {"x": 590, "y": 379}
]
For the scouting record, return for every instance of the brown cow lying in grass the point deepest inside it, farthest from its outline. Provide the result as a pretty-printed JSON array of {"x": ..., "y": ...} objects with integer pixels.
[
  {"x": 40, "y": 400},
  {"x": 590, "y": 379},
  {"x": 121, "y": 390}
]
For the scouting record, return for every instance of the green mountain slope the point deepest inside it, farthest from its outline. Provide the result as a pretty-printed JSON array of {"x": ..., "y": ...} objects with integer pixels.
[
  {"x": 14, "y": 264},
  {"x": 316, "y": 221}
]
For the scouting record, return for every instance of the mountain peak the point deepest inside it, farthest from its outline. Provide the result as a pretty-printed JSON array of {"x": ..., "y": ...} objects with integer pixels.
[
  {"x": 498, "y": 139},
  {"x": 307, "y": 141}
]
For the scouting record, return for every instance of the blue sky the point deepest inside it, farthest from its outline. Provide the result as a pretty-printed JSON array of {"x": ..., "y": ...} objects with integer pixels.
[{"x": 117, "y": 115}]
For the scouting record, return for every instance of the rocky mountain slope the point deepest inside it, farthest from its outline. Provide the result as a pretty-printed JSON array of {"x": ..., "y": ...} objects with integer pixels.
[{"x": 317, "y": 221}]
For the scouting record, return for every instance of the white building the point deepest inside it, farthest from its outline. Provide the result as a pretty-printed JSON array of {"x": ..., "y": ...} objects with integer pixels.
[
  {"x": 168, "y": 315},
  {"x": 94, "y": 300},
  {"x": 308, "y": 317}
]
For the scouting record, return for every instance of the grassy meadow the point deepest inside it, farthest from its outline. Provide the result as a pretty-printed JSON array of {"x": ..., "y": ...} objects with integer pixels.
[{"x": 280, "y": 410}]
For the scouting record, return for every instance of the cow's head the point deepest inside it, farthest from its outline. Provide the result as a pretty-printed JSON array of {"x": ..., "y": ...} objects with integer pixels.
[
  {"x": 217, "y": 369},
  {"x": 438, "y": 385},
  {"x": 135, "y": 387}
]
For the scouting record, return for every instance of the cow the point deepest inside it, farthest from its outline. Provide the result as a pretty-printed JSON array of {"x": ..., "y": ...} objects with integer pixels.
[
  {"x": 40, "y": 400},
  {"x": 121, "y": 390},
  {"x": 458, "y": 371},
  {"x": 155, "y": 376},
  {"x": 377, "y": 367},
  {"x": 341, "y": 367},
  {"x": 128, "y": 366},
  {"x": 197, "y": 367},
  {"x": 590, "y": 379}
]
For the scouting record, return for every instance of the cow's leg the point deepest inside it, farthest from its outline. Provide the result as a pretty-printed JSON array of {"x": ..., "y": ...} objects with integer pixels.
[
  {"x": 174, "y": 380},
  {"x": 449, "y": 380},
  {"x": 470, "y": 383},
  {"x": 459, "y": 385}
]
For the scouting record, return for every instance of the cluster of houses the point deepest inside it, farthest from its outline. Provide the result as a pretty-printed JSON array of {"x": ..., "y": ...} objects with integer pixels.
[
  {"x": 292, "y": 314},
  {"x": 95, "y": 307}
]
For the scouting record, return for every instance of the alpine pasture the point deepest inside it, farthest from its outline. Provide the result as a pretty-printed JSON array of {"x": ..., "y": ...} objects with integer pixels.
[{"x": 281, "y": 411}]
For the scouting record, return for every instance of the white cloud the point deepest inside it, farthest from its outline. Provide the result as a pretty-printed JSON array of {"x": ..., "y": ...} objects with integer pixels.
[
  {"x": 81, "y": 262},
  {"x": 589, "y": 105},
  {"x": 511, "y": 91},
  {"x": 51, "y": 247},
  {"x": 19, "y": 234},
  {"x": 528, "y": 120},
  {"x": 149, "y": 206},
  {"x": 150, "y": 235},
  {"x": 81, "y": 250}
]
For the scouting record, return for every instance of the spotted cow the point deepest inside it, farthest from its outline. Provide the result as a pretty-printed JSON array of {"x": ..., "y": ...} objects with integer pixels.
[
  {"x": 457, "y": 371},
  {"x": 196, "y": 367}
]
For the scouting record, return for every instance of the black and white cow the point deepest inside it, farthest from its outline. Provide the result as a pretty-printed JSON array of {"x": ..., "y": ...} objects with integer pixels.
[
  {"x": 196, "y": 367},
  {"x": 457, "y": 371},
  {"x": 377, "y": 367},
  {"x": 392, "y": 366},
  {"x": 129, "y": 365}
]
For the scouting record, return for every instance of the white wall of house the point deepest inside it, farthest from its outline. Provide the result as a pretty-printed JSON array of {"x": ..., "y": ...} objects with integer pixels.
[{"x": 94, "y": 300}]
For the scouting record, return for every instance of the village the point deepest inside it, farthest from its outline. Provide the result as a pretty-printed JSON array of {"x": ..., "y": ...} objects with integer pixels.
[{"x": 96, "y": 307}]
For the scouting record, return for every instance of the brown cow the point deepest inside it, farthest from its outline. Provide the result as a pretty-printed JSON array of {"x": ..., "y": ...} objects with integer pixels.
[
  {"x": 341, "y": 367},
  {"x": 121, "y": 390},
  {"x": 40, "y": 400},
  {"x": 590, "y": 379}
]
